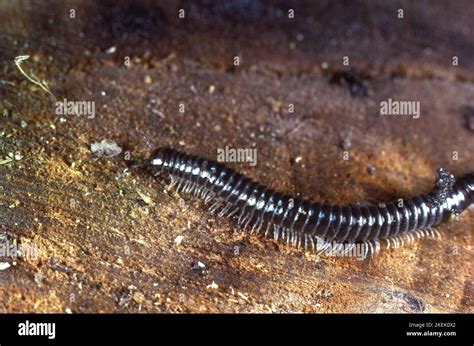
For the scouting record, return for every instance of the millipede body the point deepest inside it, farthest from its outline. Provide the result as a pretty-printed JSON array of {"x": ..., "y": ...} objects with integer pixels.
[{"x": 301, "y": 222}]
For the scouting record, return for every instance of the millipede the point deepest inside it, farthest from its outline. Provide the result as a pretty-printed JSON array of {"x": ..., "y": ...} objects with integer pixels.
[{"x": 302, "y": 223}]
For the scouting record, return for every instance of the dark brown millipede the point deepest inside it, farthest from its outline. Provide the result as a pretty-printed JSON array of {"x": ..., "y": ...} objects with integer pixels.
[{"x": 303, "y": 223}]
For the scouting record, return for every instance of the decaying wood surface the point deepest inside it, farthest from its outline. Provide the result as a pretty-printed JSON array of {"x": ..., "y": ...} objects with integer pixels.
[{"x": 106, "y": 238}]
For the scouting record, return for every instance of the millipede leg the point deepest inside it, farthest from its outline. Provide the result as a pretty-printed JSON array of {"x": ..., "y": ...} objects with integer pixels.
[
  {"x": 216, "y": 205},
  {"x": 276, "y": 232},
  {"x": 233, "y": 212},
  {"x": 224, "y": 211}
]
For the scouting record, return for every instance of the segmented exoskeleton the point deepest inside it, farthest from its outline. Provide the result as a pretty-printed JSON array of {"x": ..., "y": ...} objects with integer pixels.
[{"x": 301, "y": 222}]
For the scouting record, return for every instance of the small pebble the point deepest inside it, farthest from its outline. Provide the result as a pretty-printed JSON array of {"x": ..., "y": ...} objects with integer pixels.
[
  {"x": 178, "y": 240},
  {"x": 346, "y": 143},
  {"x": 23, "y": 124},
  {"x": 371, "y": 170},
  {"x": 111, "y": 50},
  {"x": 198, "y": 268},
  {"x": 18, "y": 156},
  {"x": 212, "y": 286},
  {"x": 139, "y": 297},
  {"x": 106, "y": 148},
  {"x": 39, "y": 278},
  {"x": 4, "y": 265},
  {"x": 145, "y": 198}
]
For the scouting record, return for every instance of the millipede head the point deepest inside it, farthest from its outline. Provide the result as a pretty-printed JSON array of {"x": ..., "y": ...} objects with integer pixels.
[{"x": 158, "y": 159}]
